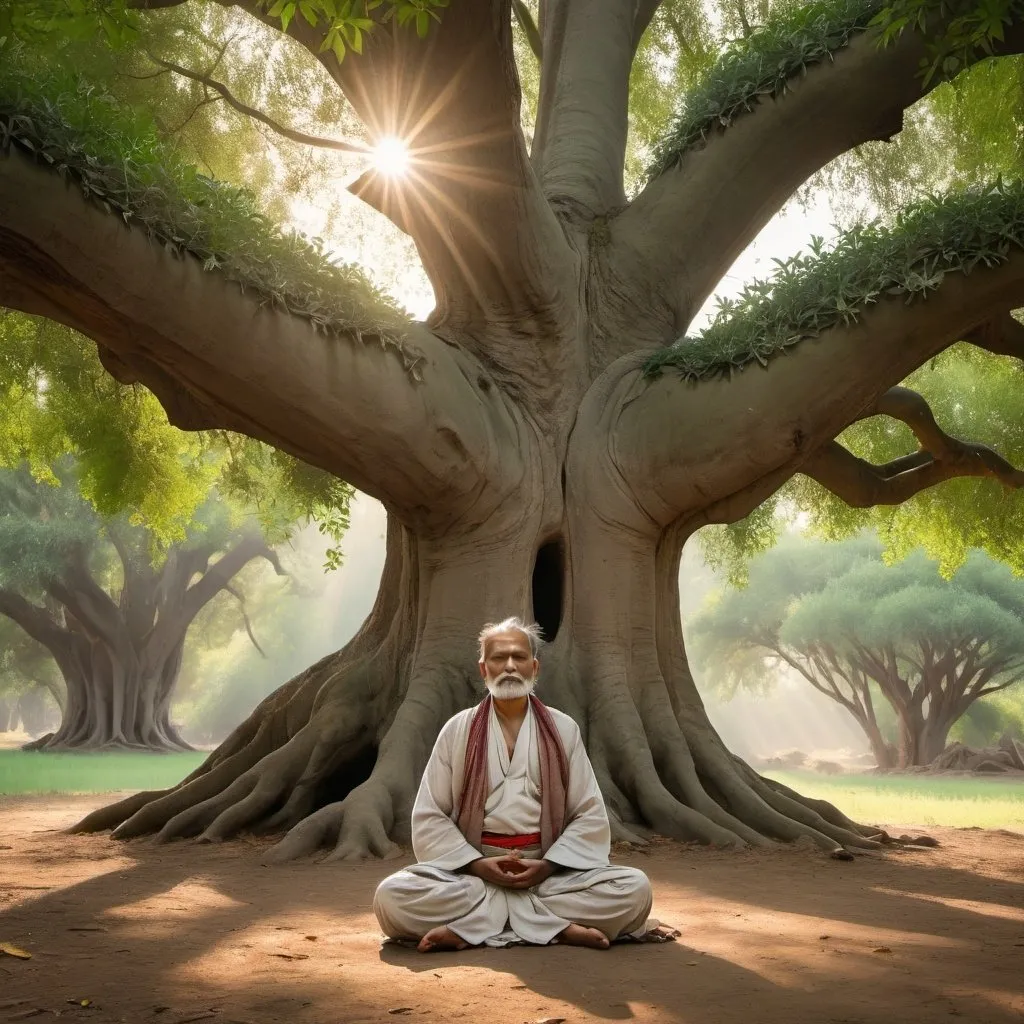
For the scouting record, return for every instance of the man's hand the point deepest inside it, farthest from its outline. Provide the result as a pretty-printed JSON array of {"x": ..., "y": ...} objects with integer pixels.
[
  {"x": 528, "y": 873},
  {"x": 511, "y": 871}
]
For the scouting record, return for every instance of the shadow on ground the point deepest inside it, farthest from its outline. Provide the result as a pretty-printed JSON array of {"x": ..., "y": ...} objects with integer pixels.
[{"x": 184, "y": 932}]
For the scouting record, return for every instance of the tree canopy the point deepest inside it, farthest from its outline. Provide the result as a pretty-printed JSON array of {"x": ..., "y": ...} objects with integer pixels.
[{"x": 858, "y": 630}]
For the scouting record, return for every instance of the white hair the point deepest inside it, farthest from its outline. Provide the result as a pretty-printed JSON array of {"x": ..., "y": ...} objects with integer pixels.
[{"x": 530, "y": 630}]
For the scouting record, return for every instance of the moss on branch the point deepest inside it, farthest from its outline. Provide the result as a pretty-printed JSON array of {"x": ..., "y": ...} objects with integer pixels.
[
  {"x": 827, "y": 288},
  {"x": 761, "y": 65},
  {"x": 122, "y": 164}
]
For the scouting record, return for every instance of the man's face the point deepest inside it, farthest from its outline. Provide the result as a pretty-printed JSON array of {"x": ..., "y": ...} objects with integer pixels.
[{"x": 508, "y": 668}]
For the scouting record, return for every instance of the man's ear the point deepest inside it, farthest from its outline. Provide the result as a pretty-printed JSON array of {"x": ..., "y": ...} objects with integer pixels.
[
  {"x": 483, "y": 669},
  {"x": 536, "y": 667}
]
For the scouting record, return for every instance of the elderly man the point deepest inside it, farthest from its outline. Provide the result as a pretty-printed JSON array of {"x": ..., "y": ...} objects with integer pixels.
[{"x": 509, "y": 827}]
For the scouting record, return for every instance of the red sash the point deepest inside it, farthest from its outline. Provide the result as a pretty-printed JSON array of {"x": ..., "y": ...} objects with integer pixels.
[{"x": 510, "y": 842}]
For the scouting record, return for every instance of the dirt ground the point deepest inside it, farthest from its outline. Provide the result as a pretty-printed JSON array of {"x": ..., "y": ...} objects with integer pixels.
[{"x": 180, "y": 933}]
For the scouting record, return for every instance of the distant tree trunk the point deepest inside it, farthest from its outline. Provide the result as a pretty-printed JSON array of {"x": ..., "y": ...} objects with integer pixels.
[
  {"x": 6, "y": 709},
  {"x": 885, "y": 754},
  {"x": 926, "y": 712}
]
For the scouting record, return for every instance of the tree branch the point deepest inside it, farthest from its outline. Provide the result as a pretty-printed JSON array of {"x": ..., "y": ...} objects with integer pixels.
[
  {"x": 579, "y": 147},
  {"x": 489, "y": 242},
  {"x": 645, "y": 11},
  {"x": 682, "y": 447},
  {"x": 941, "y": 457},
  {"x": 529, "y": 27},
  {"x": 302, "y": 138},
  {"x": 240, "y": 598},
  {"x": 690, "y": 223},
  {"x": 219, "y": 576},
  {"x": 1002, "y": 336},
  {"x": 35, "y": 621},
  {"x": 215, "y": 357}
]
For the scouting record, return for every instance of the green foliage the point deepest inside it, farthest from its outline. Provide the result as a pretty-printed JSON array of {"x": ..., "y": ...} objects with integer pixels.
[
  {"x": 760, "y": 65},
  {"x": 728, "y": 549},
  {"x": 974, "y": 395},
  {"x": 118, "y": 158},
  {"x": 805, "y": 597},
  {"x": 58, "y": 22},
  {"x": 827, "y": 288},
  {"x": 971, "y": 30},
  {"x": 348, "y": 21},
  {"x": 56, "y": 399},
  {"x": 42, "y": 527}
]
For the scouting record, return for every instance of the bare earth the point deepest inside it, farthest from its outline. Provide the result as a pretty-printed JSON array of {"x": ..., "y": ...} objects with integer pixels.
[{"x": 183, "y": 932}]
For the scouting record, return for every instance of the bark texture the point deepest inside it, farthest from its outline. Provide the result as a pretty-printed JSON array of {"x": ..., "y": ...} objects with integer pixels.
[
  {"x": 120, "y": 656},
  {"x": 533, "y": 468}
]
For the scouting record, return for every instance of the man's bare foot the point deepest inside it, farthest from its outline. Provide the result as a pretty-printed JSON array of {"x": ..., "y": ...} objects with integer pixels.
[
  {"x": 441, "y": 938},
  {"x": 577, "y": 935}
]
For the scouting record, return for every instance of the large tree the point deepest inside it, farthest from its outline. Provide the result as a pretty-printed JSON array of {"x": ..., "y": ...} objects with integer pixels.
[
  {"x": 117, "y": 529},
  {"x": 113, "y": 618},
  {"x": 548, "y": 438},
  {"x": 856, "y": 629}
]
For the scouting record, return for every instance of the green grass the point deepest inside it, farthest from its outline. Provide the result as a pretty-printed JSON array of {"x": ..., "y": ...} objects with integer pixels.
[
  {"x": 27, "y": 772},
  {"x": 916, "y": 800},
  {"x": 873, "y": 799}
]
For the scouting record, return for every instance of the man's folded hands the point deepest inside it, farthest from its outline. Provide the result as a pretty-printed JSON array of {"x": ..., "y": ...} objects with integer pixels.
[{"x": 511, "y": 871}]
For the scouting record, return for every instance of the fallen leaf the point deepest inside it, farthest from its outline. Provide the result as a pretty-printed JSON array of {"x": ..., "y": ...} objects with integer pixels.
[
  {"x": 550, "y": 1020},
  {"x": 691, "y": 963},
  {"x": 881, "y": 949},
  {"x": 823, "y": 937},
  {"x": 87, "y": 928},
  {"x": 436, "y": 975},
  {"x": 80, "y": 1002},
  {"x": 311, "y": 938},
  {"x": 10, "y": 950},
  {"x": 401, "y": 1009},
  {"x": 517, "y": 986},
  {"x": 292, "y": 956}
]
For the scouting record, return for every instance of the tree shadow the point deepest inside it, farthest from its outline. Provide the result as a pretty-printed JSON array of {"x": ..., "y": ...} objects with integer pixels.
[{"x": 766, "y": 937}]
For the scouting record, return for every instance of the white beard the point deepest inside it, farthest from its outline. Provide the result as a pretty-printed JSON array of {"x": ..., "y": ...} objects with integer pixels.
[{"x": 510, "y": 689}]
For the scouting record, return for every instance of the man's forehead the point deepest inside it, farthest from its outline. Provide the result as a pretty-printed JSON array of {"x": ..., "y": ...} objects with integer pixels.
[{"x": 512, "y": 639}]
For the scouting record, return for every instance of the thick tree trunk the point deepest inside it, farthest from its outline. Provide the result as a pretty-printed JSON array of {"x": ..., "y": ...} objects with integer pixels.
[
  {"x": 116, "y": 701},
  {"x": 885, "y": 754},
  {"x": 335, "y": 755}
]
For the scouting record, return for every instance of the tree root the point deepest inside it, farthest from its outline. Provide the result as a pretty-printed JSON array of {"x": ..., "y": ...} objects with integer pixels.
[{"x": 320, "y": 761}]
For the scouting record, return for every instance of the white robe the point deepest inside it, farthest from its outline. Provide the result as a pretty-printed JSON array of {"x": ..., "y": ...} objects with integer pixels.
[{"x": 585, "y": 889}]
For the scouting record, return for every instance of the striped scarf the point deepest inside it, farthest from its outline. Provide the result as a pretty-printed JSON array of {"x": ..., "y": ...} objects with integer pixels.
[{"x": 554, "y": 776}]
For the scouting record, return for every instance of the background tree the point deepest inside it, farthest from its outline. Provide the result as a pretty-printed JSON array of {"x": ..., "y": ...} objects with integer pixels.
[
  {"x": 548, "y": 438},
  {"x": 857, "y": 629},
  {"x": 114, "y": 622},
  {"x": 109, "y": 556}
]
